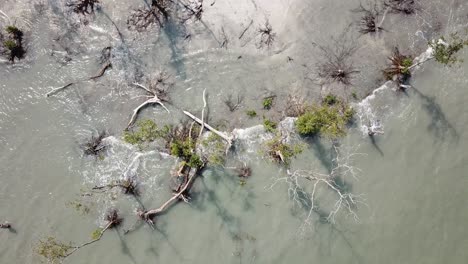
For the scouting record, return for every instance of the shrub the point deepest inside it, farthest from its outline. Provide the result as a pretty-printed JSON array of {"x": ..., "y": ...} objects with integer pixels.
[
  {"x": 215, "y": 148},
  {"x": 444, "y": 52},
  {"x": 147, "y": 131},
  {"x": 268, "y": 103},
  {"x": 269, "y": 125},
  {"x": 399, "y": 65},
  {"x": 326, "y": 120},
  {"x": 280, "y": 151},
  {"x": 251, "y": 113},
  {"x": 330, "y": 99},
  {"x": 10, "y": 44},
  {"x": 195, "y": 161}
]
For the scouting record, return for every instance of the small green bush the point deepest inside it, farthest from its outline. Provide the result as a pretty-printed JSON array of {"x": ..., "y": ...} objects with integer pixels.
[
  {"x": 195, "y": 161},
  {"x": 269, "y": 125},
  {"x": 251, "y": 113},
  {"x": 288, "y": 152},
  {"x": 182, "y": 149},
  {"x": 147, "y": 131},
  {"x": 268, "y": 103},
  {"x": 406, "y": 63},
  {"x": 445, "y": 53},
  {"x": 330, "y": 99},
  {"x": 10, "y": 44},
  {"x": 326, "y": 120},
  {"x": 215, "y": 149},
  {"x": 354, "y": 95}
]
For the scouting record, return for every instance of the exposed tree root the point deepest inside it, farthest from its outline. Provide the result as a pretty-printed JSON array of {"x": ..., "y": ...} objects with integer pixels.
[{"x": 153, "y": 99}]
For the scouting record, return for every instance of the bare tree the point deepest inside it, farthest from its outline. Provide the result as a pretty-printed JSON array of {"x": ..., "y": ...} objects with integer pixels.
[
  {"x": 335, "y": 64},
  {"x": 369, "y": 23},
  {"x": 407, "y": 7},
  {"x": 157, "y": 93},
  {"x": 158, "y": 13},
  {"x": 84, "y": 7},
  {"x": 304, "y": 187},
  {"x": 233, "y": 105},
  {"x": 95, "y": 146},
  {"x": 267, "y": 35}
]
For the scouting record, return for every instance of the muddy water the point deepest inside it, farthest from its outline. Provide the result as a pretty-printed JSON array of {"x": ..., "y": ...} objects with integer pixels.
[{"x": 413, "y": 177}]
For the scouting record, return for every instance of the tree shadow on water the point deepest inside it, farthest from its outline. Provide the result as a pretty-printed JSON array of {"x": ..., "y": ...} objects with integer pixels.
[
  {"x": 373, "y": 141},
  {"x": 125, "y": 248},
  {"x": 323, "y": 155},
  {"x": 440, "y": 126}
]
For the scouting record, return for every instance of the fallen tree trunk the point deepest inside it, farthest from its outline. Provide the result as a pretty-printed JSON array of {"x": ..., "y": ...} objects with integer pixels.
[
  {"x": 229, "y": 139},
  {"x": 5, "y": 225},
  {"x": 149, "y": 214}
]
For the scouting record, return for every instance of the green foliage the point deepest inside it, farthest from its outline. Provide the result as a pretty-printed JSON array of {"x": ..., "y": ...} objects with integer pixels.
[
  {"x": 195, "y": 161},
  {"x": 445, "y": 52},
  {"x": 184, "y": 149},
  {"x": 280, "y": 151},
  {"x": 348, "y": 114},
  {"x": 15, "y": 32},
  {"x": 399, "y": 65},
  {"x": 10, "y": 44},
  {"x": 354, "y": 95},
  {"x": 147, "y": 131},
  {"x": 326, "y": 120},
  {"x": 330, "y": 99},
  {"x": 52, "y": 250},
  {"x": 251, "y": 113},
  {"x": 96, "y": 234},
  {"x": 406, "y": 63},
  {"x": 269, "y": 125},
  {"x": 268, "y": 103},
  {"x": 215, "y": 149}
]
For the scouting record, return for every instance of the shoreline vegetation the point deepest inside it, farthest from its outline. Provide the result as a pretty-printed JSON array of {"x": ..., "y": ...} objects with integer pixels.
[{"x": 196, "y": 145}]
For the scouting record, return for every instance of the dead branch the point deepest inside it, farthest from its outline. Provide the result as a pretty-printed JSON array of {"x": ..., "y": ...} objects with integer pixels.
[
  {"x": 202, "y": 115},
  {"x": 113, "y": 220},
  {"x": 5, "y": 225},
  {"x": 230, "y": 103},
  {"x": 153, "y": 99},
  {"x": 105, "y": 59},
  {"x": 191, "y": 175},
  {"x": 407, "y": 7},
  {"x": 150, "y": 214},
  {"x": 229, "y": 139},
  {"x": 225, "y": 40},
  {"x": 128, "y": 186},
  {"x": 245, "y": 30}
]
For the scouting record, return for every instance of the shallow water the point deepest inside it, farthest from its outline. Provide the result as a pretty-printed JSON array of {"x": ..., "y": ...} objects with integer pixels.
[{"x": 413, "y": 177}]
